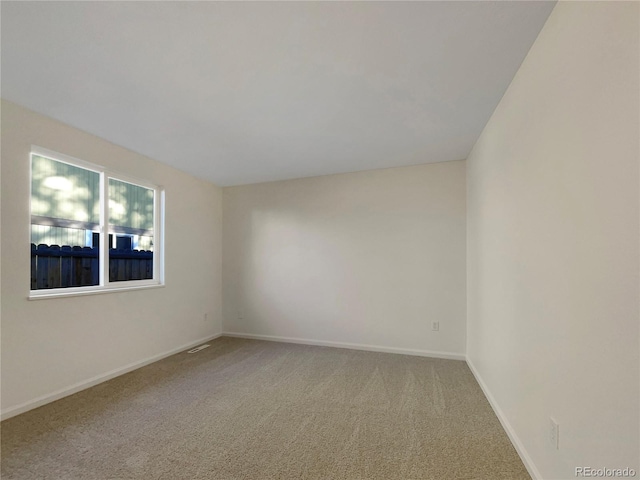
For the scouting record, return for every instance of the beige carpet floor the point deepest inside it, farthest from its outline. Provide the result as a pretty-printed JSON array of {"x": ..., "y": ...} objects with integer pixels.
[{"x": 246, "y": 409}]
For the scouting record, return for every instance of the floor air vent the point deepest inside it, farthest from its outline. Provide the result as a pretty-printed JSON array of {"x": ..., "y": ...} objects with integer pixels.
[{"x": 197, "y": 349}]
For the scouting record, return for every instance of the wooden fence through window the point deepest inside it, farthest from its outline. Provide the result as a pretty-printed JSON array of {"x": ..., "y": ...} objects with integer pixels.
[{"x": 53, "y": 266}]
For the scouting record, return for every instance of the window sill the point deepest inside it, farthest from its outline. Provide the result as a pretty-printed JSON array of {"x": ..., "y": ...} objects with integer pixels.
[{"x": 61, "y": 293}]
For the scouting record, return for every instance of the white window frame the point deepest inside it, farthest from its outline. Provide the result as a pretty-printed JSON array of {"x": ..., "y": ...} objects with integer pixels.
[{"x": 105, "y": 286}]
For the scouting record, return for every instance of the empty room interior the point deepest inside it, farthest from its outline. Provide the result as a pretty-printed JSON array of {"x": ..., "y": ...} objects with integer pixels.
[{"x": 320, "y": 240}]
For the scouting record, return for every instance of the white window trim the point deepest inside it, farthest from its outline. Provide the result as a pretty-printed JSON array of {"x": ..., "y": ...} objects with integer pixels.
[{"x": 105, "y": 286}]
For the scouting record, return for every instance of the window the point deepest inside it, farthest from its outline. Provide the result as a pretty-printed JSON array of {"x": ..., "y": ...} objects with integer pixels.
[{"x": 92, "y": 230}]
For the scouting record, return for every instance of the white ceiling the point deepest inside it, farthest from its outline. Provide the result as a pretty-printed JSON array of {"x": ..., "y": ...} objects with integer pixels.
[{"x": 244, "y": 92}]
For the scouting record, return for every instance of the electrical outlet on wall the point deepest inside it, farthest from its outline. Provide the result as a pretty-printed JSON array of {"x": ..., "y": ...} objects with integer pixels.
[
  {"x": 435, "y": 326},
  {"x": 205, "y": 317},
  {"x": 554, "y": 433}
]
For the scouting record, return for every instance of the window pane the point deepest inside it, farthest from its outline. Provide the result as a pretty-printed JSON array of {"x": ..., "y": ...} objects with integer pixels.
[
  {"x": 65, "y": 212},
  {"x": 131, "y": 224},
  {"x": 60, "y": 190}
]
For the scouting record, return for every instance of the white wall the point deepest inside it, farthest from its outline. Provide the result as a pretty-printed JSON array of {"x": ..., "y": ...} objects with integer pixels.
[
  {"x": 50, "y": 345},
  {"x": 553, "y": 239},
  {"x": 364, "y": 258}
]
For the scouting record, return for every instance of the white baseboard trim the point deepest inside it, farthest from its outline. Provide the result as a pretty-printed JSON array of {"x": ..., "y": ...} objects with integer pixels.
[
  {"x": 351, "y": 346},
  {"x": 77, "y": 387},
  {"x": 515, "y": 440}
]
